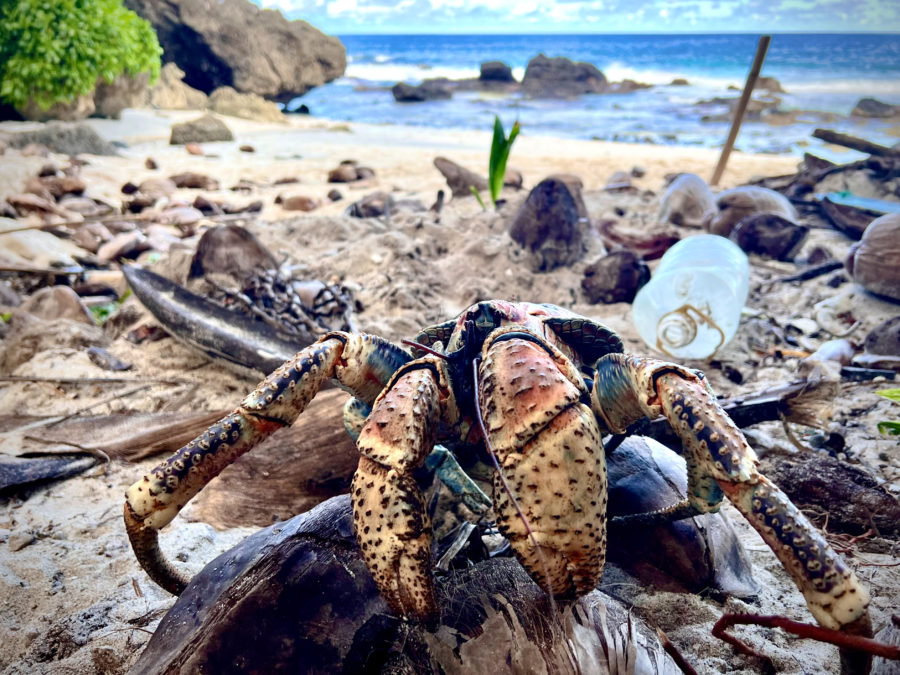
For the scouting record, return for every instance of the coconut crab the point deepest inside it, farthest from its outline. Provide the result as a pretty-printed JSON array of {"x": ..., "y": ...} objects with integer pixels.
[{"x": 536, "y": 385}]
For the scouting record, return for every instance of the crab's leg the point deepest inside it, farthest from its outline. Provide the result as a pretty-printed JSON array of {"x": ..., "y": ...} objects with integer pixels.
[
  {"x": 549, "y": 450},
  {"x": 628, "y": 387},
  {"x": 361, "y": 363},
  {"x": 389, "y": 512}
]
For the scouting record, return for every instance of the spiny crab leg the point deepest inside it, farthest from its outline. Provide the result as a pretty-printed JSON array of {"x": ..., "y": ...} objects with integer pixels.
[
  {"x": 361, "y": 363},
  {"x": 720, "y": 460}
]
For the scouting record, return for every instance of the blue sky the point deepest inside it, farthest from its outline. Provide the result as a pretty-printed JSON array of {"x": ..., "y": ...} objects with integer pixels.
[{"x": 593, "y": 16}]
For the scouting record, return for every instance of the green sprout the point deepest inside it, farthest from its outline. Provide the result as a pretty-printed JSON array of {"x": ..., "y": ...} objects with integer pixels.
[
  {"x": 500, "y": 147},
  {"x": 101, "y": 313},
  {"x": 890, "y": 428}
]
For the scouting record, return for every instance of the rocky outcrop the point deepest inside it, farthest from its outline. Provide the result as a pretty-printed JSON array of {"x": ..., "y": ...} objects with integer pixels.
[
  {"x": 769, "y": 84},
  {"x": 561, "y": 78},
  {"x": 171, "y": 93},
  {"x": 70, "y": 111},
  {"x": 233, "y": 43},
  {"x": 496, "y": 71},
  {"x": 872, "y": 107},
  {"x": 64, "y": 138},
  {"x": 126, "y": 91},
  {"x": 227, "y": 101},
  {"x": 429, "y": 90}
]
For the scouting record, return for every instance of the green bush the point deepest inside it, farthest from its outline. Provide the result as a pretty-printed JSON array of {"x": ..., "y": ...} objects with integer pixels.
[{"x": 52, "y": 51}]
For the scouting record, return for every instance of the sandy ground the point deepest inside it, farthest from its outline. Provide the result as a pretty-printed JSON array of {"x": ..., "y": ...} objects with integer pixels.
[{"x": 74, "y": 600}]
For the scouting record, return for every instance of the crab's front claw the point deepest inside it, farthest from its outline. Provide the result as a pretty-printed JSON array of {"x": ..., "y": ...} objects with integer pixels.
[
  {"x": 720, "y": 461},
  {"x": 361, "y": 363}
]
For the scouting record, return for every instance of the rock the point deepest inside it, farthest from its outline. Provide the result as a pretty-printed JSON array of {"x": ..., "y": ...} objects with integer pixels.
[
  {"x": 181, "y": 216},
  {"x": 36, "y": 248},
  {"x": 29, "y": 335},
  {"x": 59, "y": 186},
  {"x": 197, "y": 181},
  {"x": 770, "y": 235},
  {"x": 233, "y": 251},
  {"x": 238, "y": 45},
  {"x": 157, "y": 188},
  {"x": 124, "y": 245},
  {"x": 561, "y": 78},
  {"x": 496, "y": 71},
  {"x": 64, "y": 138},
  {"x": 627, "y": 86},
  {"x": 769, "y": 84},
  {"x": 125, "y": 91},
  {"x": 679, "y": 82},
  {"x": 687, "y": 202},
  {"x": 27, "y": 203},
  {"x": 335, "y": 195},
  {"x": 619, "y": 182},
  {"x": 872, "y": 107},
  {"x": 91, "y": 236},
  {"x": 429, "y": 90},
  {"x": 459, "y": 179},
  {"x": 89, "y": 208},
  {"x": 371, "y": 206},
  {"x": 77, "y": 109},
  {"x": 638, "y": 171},
  {"x": 872, "y": 262},
  {"x": 882, "y": 346},
  {"x": 19, "y": 540},
  {"x": 299, "y": 203},
  {"x": 36, "y": 187},
  {"x": 206, "y": 129},
  {"x": 194, "y": 149},
  {"x": 345, "y": 172},
  {"x": 57, "y": 302},
  {"x": 513, "y": 178},
  {"x": 247, "y": 148},
  {"x": 171, "y": 93},
  {"x": 737, "y": 203},
  {"x": 552, "y": 224},
  {"x": 227, "y": 101},
  {"x": 616, "y": 277}
]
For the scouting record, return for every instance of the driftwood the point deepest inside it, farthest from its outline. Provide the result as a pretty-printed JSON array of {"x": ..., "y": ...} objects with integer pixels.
[
  {"x": 296, "y": 597},
  {"x": 854, "y": 143},
  {"x": 850, "y": 220}
]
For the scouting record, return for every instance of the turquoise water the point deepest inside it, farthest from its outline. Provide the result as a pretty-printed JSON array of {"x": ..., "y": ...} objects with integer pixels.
[{"x": 828, "y": 73}]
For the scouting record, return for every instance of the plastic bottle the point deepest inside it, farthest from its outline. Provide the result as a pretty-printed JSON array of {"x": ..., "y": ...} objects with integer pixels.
[{"x": 692, "y": 305}]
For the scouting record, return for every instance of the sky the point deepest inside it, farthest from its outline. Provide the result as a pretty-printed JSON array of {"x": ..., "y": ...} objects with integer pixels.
[{"x": 343, "y": 17}]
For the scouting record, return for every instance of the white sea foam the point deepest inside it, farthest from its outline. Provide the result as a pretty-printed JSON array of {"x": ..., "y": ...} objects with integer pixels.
[{"x": 401, "y": 72}]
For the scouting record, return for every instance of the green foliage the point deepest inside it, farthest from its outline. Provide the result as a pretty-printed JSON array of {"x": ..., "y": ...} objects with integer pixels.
[
  {"x": 890, "y": 428},
  {"x": 478, "y": 197},
  {"x": 55, "y": 51},
  {"x": 500, "y": 147},
  {"x": 101, "y": 313}
]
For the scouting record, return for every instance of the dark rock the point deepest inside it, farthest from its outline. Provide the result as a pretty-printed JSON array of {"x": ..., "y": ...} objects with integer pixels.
[
  {"x": 103, "y": 359},
  {"x": 345, "y": 172},
  {"x": 561, "y": 78},
  {"x": 206, "y": 129},
  {"x": 297, "y": 597},
  {"x": 429, "y": 90},
  {"x": 206, "y": 206},
  {"x": 638, "y": 171},
  {"x": 302, "y": 109},
  {"x": 238, "y": 45},
  {"x": 496, "y": 71},
  {"x": 247, "y": 148},
  {"x": 230, "y": 250},
  {"x": 627, "y": 86},
  {"x": 769, "y": 84},
  {"x": 770, "y": 235},
  {"x": 371, "y": 206},
  {"x": 872, "y": 107},
  {"x": 679, "y": 82},
  {"x": 335, "y": 195},
  {"x": 459, "y": 179},
  {"x": 193, "y": 180},
  {"x": 616, "y": 277},
  {"x": 64, "y": 138},
  {"x": 553, "y": 223},
  {"x": 151, "y": 164}
]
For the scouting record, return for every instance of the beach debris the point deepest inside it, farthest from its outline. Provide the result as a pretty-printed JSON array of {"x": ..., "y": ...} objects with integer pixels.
[
  {"x": 190, "y": 179},
  {"x": 687, "y": 202},
  {"x": 850, "y": 220},
  {"x": 616, "y": 277},
  {"x": 373, "y": 205},
  {"x": 297, "y": 202},
  {"x": 553, "y": 223},
  {"x": 205, "y": 129},
  {"x": 495, "y": 71},
  {"x": 559, "y": 77},
  {"x": 738, "y": 203},
  {"x": 428, "y": 90},
  {"x": 882, "y": 346},
  {"x": 349, "y": 171},
  {"x": 460, "y": 180},
  {"x": 226, "y": 101},
  {"x": 692, "y": 555},
  {"x": 278, "y": 579},
  {"x": 20, "y": 473},
  {"x": 769, "y": 235},
  {"x": 872, "y": 107},
  {"x": 855, "y": 143},
  {"x": 872, "y": 262}
]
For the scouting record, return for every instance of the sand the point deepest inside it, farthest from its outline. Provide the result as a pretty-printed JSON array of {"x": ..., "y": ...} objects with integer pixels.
[{"x": 73, "y": 598}]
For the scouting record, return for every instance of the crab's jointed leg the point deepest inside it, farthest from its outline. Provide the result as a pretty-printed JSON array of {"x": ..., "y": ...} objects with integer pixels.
[
  {"x": 720, "y": 461},
  {"x": 361, "y": 363}
]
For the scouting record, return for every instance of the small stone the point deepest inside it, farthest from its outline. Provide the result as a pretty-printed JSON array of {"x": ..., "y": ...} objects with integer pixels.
[
  {"x": 19, "y": 540},
  {"x": 299, "y": 203},
  {"x": 151, "y": 164},
  {"x": 194, "y": 149},
  {"x": 286, "y": 180},
  {"x": 344, "y": 173},
  {"x": 770, "y": 235},
  {"x": 371, "y": 206},
  {"x": 57, "y": 302},
  {"x": 619, "y": 182},
  {"x": 638, "y": 171},
  {"x": 247, "y": 148},
  {"x": 129, "y": 188},
  {"x": 157, "y": 188},
  {"x": 125, "y": 245},
  {"x": 335, "y": 195},
  {"x": 193, "y": 180}
]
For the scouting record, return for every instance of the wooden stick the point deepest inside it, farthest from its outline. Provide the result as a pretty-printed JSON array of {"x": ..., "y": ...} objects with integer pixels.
[
  {"x": 855, "y": 143},
  {"x": 761, "y": 48}
]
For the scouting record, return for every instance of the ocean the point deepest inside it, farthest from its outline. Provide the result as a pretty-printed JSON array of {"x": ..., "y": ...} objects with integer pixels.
[{"x": 826, "y": 73}]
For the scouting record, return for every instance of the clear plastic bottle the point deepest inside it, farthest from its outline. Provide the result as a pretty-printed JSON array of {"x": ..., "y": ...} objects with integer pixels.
[{"x": 692, "y": 305}]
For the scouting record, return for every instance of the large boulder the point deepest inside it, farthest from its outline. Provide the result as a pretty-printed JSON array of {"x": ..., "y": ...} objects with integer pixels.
[
  {"x": 66, "y": 138},
  {"x": 872, "y": 107},
  {"x": 126, "y": 91},
  {"x": 429, "y": 90},
  {"x": 227, "y": 101},
  {"x": 171, "y": 93},
  {"x": 561, "y": 78},
  {"x": 496, "y": 71},
  {"x": 206, "y": 129},
  {"x": 233, "y": 43}
]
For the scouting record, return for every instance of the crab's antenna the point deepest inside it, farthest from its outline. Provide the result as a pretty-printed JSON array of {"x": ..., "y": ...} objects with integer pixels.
[
  {"x": 507, "y": 489},
  {"x": 427, "y": 350}
]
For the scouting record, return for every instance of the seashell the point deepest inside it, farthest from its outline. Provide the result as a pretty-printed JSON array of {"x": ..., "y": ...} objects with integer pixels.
[
  {"x": 873, "y": 260},
  {"x": 738, "y": 203},
  {"x": 687, "y": 202}
]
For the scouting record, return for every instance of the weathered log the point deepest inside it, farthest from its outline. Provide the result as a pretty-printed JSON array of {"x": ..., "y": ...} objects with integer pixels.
[{"x": 854, "y": 143}]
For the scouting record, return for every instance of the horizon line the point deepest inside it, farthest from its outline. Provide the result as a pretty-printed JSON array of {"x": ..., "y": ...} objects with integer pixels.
[{"x": 632, "y": 33}]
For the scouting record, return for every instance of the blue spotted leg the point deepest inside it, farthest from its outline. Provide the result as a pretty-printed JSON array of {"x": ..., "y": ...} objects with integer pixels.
[
  {"x": 363, "y": 364},
  {"x": 720, "y": 462}
]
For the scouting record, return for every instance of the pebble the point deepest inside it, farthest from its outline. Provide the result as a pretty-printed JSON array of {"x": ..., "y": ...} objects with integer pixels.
[{"x": 19, "y": 540}]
